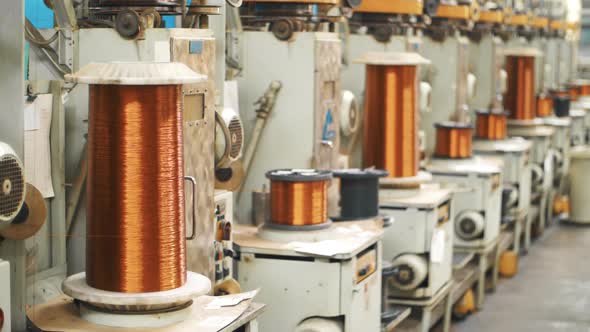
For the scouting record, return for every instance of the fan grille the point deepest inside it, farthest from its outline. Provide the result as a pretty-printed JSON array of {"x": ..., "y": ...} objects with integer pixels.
[
  {"x": 235, "y": 132},
  {"x": 12, "y": 187}
]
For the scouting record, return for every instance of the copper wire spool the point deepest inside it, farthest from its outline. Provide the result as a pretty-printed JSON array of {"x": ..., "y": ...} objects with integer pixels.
[
  {"x": 520, "y": 93},
  {"x": 491, "y": 125},
  {"x": 135, "y": 210},
  {"x": 453, "y": 140},
  {"x": 584, "y": 90},
  {"x": 390, "y": 131},
  {"x": 544, "y": 105},
  {"x": 299, "y": 197}
]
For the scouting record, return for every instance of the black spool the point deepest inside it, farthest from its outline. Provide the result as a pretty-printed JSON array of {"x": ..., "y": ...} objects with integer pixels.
[
  {"x": 561, "y": 106},
  {"x": 359, "y": 193}
]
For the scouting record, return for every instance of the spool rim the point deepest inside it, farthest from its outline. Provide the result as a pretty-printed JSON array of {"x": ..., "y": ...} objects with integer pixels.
[
  {"x": 299, "y": 175},
  {"x": 357, "y": 173},
  {"x": 77, "y": 287}
]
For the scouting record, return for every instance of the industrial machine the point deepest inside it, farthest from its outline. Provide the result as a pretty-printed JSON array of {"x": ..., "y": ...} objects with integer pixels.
[
  {"x": 491, "y": 140},
  {"x": 519, "y": 101},
  {"x": 486, "y": 63},
  {"x": 340, "y": 289},
  {"x": 475, "y": 183},
  {"x": 417, "y": 247},
  {"x": 134, "y": 32},
  {"x": 306, "y": 117}
]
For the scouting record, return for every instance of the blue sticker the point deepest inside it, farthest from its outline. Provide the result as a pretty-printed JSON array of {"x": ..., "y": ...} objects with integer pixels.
[
  {"x": 329, "y": 133},
  {"x": 195, "y": 47}
]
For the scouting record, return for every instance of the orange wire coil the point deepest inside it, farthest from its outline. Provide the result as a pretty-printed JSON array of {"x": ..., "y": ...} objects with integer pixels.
[
  {"x": 391, "y": 120},
  {"x": 299, "y": 197},
  {"x": 135, "y": 210}
]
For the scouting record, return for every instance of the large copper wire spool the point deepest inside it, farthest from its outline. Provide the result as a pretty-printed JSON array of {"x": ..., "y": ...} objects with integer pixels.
[
  {"x": 544, "y": 105},
  {"x": 453, "y": 140},
  {"x": 491, "y": 125},
  {"x": 519, "y": 99},
  {"x": 299, "y": 198},
  {"x": 135, "y": 210},
  {"x": 390, "y": 131}
]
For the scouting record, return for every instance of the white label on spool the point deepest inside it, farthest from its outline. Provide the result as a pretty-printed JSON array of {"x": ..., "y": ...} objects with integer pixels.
[{"x": 437, "y": 246}]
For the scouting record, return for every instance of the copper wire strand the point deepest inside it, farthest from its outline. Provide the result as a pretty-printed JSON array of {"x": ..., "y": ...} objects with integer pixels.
[
  {"x": 544, "y": 106},
  {"x": 491, "y": 126},
  {"x": 299, "y": 203},
  {"x": 520, "y": 93},
  {"x": 390, "y": 134},
  {"x": 135, "y": 214},
  {"x": 453, "y": 143}
]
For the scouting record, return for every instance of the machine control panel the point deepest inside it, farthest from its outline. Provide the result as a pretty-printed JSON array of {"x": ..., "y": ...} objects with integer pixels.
[{"x": 366, "y": 264}]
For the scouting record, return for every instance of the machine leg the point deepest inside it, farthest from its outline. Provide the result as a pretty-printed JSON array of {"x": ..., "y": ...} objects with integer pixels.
[
  {"x": 496, "y": 268},
  {"x": 481, "y": 284},
  {"x": 252, "y": 326},
  {"x": 448, "y": 313},
  {"x": 517, "y": 231},
  {"x": 426, "y": 317}
]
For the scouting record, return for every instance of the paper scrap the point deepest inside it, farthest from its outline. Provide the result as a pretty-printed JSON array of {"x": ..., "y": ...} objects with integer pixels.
[
  {"x": 231, "y": 300},
  {"x": 31, "y": 115},
  {"x": 437, "y": 246},
  {"x": 37, "y": 147}
]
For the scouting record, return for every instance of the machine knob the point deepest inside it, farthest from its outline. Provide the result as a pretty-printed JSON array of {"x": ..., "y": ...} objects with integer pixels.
[
  {"x": 409, "y": 272},
  {"x": 469, "y": 225}
]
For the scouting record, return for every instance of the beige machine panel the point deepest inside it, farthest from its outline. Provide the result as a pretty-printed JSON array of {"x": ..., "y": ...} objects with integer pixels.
[{"x": 199, "y": 134}]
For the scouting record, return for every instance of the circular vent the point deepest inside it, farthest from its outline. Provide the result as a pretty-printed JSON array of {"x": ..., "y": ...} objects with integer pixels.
[
  {"x": 12, "y": 187},
  {"x": 235, "y": 133}
]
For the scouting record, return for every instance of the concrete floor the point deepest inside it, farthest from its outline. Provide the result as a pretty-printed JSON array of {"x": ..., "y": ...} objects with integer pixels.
[{"x": 550, "y": 293}]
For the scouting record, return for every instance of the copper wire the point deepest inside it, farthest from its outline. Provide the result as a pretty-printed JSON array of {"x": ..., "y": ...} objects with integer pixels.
[
  {"x": 584, "y": 90},
  {"x": 453, "y": 143},
  {"x": 544, "y": 106},
  {"x": 299, "y": 203},
  {"x": 574, "y": 92},
  {"x": 520, "y": 93},
  {"x": 491, "y": 126},
  {"x": 135, "y": 210},
  {"x": 390, "y": 131}
]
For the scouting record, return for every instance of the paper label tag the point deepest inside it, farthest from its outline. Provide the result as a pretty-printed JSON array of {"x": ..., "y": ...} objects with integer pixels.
[{"x": 437, "y": 246}]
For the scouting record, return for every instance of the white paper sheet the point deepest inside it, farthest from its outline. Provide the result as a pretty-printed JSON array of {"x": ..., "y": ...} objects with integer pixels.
[
  {"x": 231, "y": 300},
  {"x": 37, "y": 145},
  {"x": 437, "y": 246}
]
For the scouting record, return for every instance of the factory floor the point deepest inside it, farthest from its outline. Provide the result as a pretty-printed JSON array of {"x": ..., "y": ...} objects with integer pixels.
[{"x": 550, "y": 293}]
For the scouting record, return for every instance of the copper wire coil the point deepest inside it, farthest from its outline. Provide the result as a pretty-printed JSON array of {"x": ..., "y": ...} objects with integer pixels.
[
  {"x": 299, "y": 203},
  {"x": 520, "y": 93},
  {"x": 584, "y": 90},
  {"x": 453, "y": 141},
  {"x": 299, "y": 197},
  {"x": 544, "y": 106},
  {"x": 574, "y": 92},
  {"x": 491, "y": 126},
  {"x": 135, "y": 211},
  {"x": 390, "y": 131}
]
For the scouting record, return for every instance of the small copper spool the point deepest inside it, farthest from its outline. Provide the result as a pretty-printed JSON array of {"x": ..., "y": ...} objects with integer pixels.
[
  {"x": 491, "y": 125},
  {"x": 520, "y": 93},
  {"x": 299, "y": 198},
  {"x": 544, "y": 105},
  {"x": 584, "y": 90},
  {"x": 453, "y": 140},
  {"x": 391, "y": 130}
]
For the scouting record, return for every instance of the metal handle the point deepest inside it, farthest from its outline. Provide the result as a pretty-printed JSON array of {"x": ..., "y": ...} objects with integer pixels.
[{"x": 193, "y": 182}]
